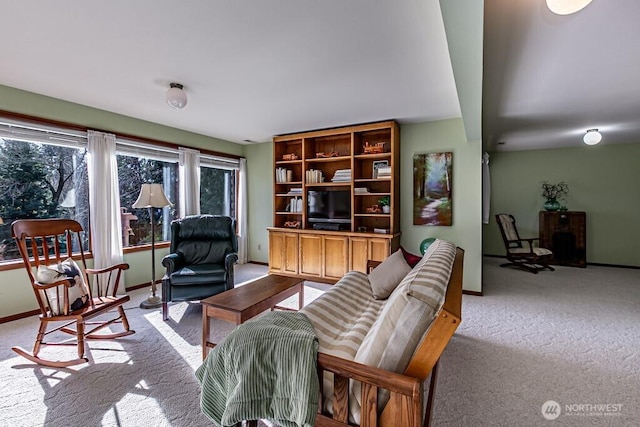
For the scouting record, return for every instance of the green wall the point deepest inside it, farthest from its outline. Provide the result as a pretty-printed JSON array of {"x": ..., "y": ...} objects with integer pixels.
[
  {"x": 603, "y": 182},
  {"x": 444, "y": 135},
  {"x": 16, "y": 295},
  {"x": 433, "y": 137},
  {"x": 260, "y": 197}
]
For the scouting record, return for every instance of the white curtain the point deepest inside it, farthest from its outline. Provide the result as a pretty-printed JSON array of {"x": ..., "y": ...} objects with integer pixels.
[
  {"x": 242, "y": 213},
  {"x": 104, "y": 200},
  {"x": 486, "y": 188},
  {"x": 189, "y": 162}
]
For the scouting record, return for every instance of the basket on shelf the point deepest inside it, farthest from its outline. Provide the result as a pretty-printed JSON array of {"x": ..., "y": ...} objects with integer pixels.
[{"x": 290, "y": 156}]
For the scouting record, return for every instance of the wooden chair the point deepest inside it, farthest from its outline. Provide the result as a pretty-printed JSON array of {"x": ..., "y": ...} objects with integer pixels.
[
  {"x": 521, "y": 252},
  {"x": 49, "y": 242}
]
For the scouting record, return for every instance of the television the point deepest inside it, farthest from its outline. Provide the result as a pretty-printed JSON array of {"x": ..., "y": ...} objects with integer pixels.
[{"x": 329, "y": 206}]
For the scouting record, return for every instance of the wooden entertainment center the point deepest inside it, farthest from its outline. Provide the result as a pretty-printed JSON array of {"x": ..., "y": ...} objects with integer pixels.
[{"x": 328, "y": 184}]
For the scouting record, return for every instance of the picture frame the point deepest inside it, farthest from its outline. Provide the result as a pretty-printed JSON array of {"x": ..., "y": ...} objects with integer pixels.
[
  {"x": 377, "y": 164},
  {"x": 433, "y": 189}
]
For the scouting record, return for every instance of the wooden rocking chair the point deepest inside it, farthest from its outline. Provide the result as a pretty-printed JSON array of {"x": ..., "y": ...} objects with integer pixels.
[
  {"x": 521, "y": 252},
  {"x": 49, "y": 243}
]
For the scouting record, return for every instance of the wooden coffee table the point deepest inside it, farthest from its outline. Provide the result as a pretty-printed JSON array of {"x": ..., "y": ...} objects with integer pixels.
[{"x": 240, "y": 304}]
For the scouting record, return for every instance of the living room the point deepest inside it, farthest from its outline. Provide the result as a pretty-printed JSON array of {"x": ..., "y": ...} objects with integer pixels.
[{"x": 600, "y": 182}]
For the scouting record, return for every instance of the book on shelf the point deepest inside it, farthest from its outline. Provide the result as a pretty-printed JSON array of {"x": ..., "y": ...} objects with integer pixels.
[
  {"x": 381, "y": 230},
  {"x": 314, "y": 176},
  {"x": 283, "y": 175},
  {"x": 295, "y": 205},
  {"x": 361, "y": 190},
  {"x": 384, "y": 172},
  {"x": 342, "y": 175}
]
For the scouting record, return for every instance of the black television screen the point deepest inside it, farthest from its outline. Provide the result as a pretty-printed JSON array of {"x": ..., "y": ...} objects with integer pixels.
[{"x": 329, "y": 206}]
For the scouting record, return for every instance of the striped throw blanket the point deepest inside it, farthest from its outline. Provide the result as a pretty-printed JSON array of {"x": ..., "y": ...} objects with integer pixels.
[{"x": 264, "y": 369}]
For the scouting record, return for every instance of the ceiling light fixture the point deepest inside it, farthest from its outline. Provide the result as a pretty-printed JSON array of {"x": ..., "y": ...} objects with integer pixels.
[
  {"x": 566, "y": 7},
  {"x": 176, "y": 96},
  {"x": 592, "y": 137}
]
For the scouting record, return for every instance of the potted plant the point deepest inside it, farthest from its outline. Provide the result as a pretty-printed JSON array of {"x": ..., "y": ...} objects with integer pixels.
[
  {"x": 553, "y": 193},
  {"x": 384, "y": 202}
]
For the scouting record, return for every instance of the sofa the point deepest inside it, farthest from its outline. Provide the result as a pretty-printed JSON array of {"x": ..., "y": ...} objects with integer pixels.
[
  {"x": 381, "y": 335},
  {"x": 360, "y": 354}
]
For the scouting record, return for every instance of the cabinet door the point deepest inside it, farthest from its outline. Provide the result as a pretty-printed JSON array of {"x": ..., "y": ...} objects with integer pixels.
[
  {"x": 290, "y": 264},
  {"x": 379, "y": 249},
  {"x": 310, "y": 246},
  {"x": 335, "y": 256},
  {"x": 358, "y": 253},
  {"x": 276, "y": 252}
]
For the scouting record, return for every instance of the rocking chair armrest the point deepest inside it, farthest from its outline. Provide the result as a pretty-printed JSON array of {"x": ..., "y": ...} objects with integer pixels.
[
  {"x": 121, "y": 266},
  {"x": 530, "y": 241},
  {"x": 42, "y": 286}
]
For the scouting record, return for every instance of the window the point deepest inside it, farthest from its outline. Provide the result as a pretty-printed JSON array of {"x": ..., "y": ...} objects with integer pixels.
[
  {"x": 218, "y": 191},
  {"x": 136, "y": 223},
  {"x": 43, "y": 174},
  {"x": 40, "y": 180}
]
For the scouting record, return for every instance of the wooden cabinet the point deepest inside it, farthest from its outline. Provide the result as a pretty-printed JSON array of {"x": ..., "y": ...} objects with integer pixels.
[
  {"x": 335, "y": 256},
  {"x": 311, "y": 254},
  {"x": 334, "y": 180},
  {"x": 325, "y": 256},
  {"x": 565, "y": 234},
  {"x": 283, "y": 252},
  {"x": 362, "y": 249}
]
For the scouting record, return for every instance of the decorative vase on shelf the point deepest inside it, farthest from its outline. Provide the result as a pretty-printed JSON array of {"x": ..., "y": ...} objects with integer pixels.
[{"x": 552, "y": 205}]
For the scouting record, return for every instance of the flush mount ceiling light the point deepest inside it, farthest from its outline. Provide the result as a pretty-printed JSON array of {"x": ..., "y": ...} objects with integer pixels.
[
  {"x": 592, "y": 137},
  {"x": 566, "y": 7},
  {"x": 176, "y": 96}
]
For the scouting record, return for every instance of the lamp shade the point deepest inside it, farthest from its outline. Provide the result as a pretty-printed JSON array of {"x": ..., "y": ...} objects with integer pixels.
[
  {"x": 566, "y": 7},
  {"x": 176, "y": 96},
  {"x": 592, "y": 137},
  {"x": 151, "y": 196}
]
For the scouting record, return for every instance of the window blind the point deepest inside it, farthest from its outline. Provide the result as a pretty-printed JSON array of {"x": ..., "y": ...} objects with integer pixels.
[
  {"x": 219, "y": 162},
  {"x": 41, "y": 133},
  {"x": 129, "y": 147}
]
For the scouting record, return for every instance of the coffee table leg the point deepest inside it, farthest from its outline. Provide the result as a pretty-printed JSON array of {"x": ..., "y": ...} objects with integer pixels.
[
  {"x": 205, "y": 331},
  {"x": 301, "y": 296}
]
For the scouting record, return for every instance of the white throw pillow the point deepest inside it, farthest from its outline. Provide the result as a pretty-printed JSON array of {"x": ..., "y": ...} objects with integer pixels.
[
  {"x": 386, "y": 276},
  {"x": 78, "y": 292}
]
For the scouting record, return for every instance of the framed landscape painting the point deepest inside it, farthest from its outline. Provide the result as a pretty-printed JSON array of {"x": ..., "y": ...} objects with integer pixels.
[{"x": 432, "y": 189}]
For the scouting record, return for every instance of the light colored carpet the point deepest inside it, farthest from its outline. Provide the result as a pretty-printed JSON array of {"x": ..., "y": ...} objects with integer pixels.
[{"x": 569, "y": 336}]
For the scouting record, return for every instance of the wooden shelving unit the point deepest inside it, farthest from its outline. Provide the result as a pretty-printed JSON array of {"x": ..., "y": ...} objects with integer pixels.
[
  {"x": 345, "y": 148},
  {"x": 324, "y": 152}
]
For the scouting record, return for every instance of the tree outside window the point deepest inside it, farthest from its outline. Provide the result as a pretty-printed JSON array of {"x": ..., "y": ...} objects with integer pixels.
[
  {"x": 132, "y": 173},
  {"x": 40, "y": 181}
]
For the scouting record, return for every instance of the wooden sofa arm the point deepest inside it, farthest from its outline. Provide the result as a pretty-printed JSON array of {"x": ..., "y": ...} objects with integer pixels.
[{"x": 406, "y": 391}]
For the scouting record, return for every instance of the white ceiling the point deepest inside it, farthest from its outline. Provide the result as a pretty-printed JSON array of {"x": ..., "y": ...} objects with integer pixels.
[
  {"x": 548, "y": 78},
  {"x": 251, "y": 69}
]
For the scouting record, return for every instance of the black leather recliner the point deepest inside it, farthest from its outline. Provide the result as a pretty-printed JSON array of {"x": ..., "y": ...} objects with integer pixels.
[{"x": 201, "y": 258}]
